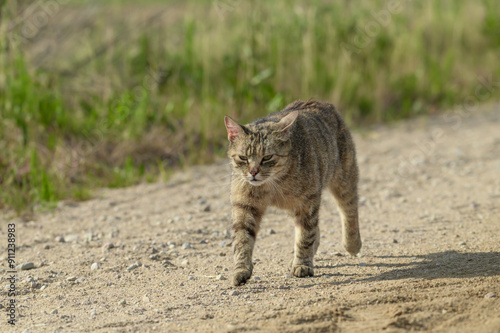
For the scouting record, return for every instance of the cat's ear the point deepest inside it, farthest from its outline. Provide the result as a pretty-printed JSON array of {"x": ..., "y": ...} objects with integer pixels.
[
  {"x": 233, "y": 128},
  {"x": 285, "y": 124}
]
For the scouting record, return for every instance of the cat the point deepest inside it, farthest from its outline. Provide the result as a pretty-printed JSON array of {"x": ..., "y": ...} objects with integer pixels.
[{"x": 286, "y": 160}]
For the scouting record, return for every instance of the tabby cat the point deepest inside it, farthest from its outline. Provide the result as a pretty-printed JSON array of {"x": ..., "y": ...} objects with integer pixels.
[{"x": 285, "y": 160}]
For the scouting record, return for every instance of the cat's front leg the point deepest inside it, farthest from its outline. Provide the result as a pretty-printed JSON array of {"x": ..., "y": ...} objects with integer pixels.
[
  {"x": 306, "y": 240},
  {"x": 246, "y": 221}
]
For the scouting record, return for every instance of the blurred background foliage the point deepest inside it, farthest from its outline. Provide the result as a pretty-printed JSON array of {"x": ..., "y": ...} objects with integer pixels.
[{"x": 112, "y": 93}]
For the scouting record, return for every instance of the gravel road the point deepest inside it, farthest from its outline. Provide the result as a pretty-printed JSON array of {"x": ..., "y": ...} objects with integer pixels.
[{"x": 157, "y": 257}]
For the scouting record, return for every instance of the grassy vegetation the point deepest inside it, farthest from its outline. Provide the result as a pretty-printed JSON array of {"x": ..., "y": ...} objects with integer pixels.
[{"x": 117, "y": 93}]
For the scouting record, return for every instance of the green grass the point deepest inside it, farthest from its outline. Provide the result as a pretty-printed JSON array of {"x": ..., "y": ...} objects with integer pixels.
[{"x": 133, "y": 91}]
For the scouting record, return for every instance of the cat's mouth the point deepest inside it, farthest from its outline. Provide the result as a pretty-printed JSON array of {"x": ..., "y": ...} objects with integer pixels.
[{"x": 255, "y": 181}]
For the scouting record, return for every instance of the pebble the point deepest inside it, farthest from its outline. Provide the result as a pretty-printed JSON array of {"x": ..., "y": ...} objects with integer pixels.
[
  {"x": 234, "y": 293},
  {"x": 207, "y": 208},
  {"x": 395, "y": 241},
  {"x": 26, "y": 266},
  {"x": 223, "y": 243},
  {"x": 271, "y": 232},
  {"x": 215, "y": 234},
  {"x": 93, "y": 313},
  {"x": 94, "y": 266},
  {"x": 220, "y": 277},
  {"x": 462, "y": 243},
  {"x": 256, "y": 278},
  {"x": 132, "y": 267},
  {"x": 55, "y": 311},
  {"x": 490, "y": 295},
  {"x": 186, "y": 245},
  {"x": 108, "y": 246},
  {"x": 70, "y": 238},
  {"x": 246, "y": 296},
  {"x": 227, "y": 233},
  {"x": 71, "y": 278},
  {"x": 190, "y": 278},
  {"x": 362, "y": 264},
  {"x": 122, "y": 302},
  {"x": 155, "y": 256},
  {"x": 185, "y": 262},
  {"x": 59, "y": 239},
  {"x": 337, "y": 254}
]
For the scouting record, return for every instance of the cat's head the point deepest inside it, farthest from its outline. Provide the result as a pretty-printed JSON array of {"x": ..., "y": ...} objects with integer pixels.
[{"x": 259, "y": 151}]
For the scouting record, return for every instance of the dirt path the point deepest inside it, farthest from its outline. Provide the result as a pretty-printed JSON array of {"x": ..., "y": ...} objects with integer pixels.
[{"x": 430, "y": 208}]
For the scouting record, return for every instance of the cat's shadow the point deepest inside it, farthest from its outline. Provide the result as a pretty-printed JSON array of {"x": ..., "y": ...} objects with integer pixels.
[{"x": 447, "y": 264}]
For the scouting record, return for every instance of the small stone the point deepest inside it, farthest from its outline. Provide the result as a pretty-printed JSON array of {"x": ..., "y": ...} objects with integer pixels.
[
  {"x": 256, "y": 278},
  {"x": 146, "y": 299},
  {"x": 462, "y": 243},
  {"x": 215, "y": 234},
  {"x": 337, "y": 254},
  {"x": 271, "y": 232},
  {"x": 55, "y": 311},
  {"x": 155, "y": 256},
  {"x": 206, "y": 208},
  {"x": 122, "y": 302},
  {"x": 93, "y": 313},
  {"x": 108, "y": 246},
  {"x": 185, "y": 262},
  {"x": 395, "y": 241},
  {"x": 46, "y": 247},
  {"x": 132, "y": 267},
  {"x": 246, "y": 296},
  {"x": 186, "y": 246},
  {"x": 220, "y": 277},
  {"x": 26, "y": 266},
  {"x": 190, "y": 278},
  {"x": 361, "y": 264},
  {"x": 71, "y": 278},
  {"x": 227, "y": 234},
  {"x": 490, "y": 295},
  {"x": 59, "y": 239},
  {"x": 70, "y": 238},
  {"x": 43, "y": 287},
  {"x": 94, "y": 266},
  {"x": 234, "y": 293},
  {"x": 223, "y": 243},
  {"x": 88, "y": 237}
]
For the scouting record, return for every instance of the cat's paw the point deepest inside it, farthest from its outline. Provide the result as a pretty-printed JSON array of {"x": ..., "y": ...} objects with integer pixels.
[
  {"x": 302, "y": 271},
  {"x": 241, "y": 276},
  {"x": 353, "y": 245}
]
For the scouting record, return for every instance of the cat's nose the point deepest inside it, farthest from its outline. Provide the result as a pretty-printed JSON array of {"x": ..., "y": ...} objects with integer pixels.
[{"x": 254, "y": 172}]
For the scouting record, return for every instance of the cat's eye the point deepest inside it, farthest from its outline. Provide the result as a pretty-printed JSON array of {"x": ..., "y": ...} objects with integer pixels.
[
  {"x": 267, "y": 158},
  {"x": 243, "y": 158}
]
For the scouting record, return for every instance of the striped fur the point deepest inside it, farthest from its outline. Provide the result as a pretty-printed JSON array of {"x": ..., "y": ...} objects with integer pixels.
[{"x": 286, "y": 160}]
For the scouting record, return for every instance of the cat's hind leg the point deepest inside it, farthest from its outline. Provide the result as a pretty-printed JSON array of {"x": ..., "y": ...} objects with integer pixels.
[{"x": 345, "y": 191}]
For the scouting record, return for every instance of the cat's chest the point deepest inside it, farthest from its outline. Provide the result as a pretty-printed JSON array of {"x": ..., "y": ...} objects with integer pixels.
[{"x": 287, "y": 201}]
